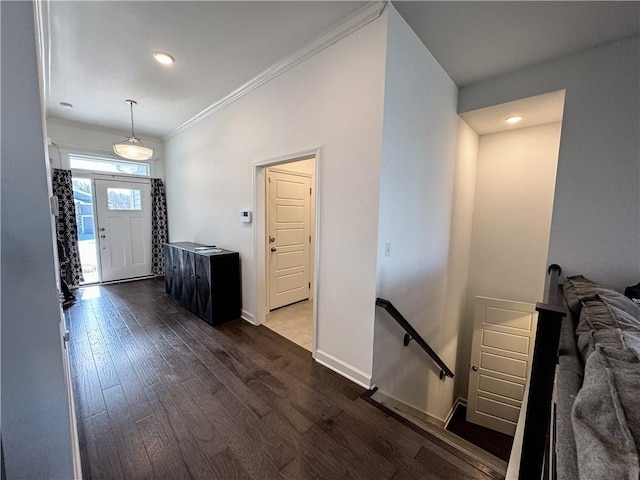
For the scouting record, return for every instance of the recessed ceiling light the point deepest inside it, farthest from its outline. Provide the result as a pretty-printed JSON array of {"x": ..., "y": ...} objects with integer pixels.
[
  {"x": 66, "y": 105},
  {"x": 163, "y": 57},
  {"x": 513, "y": 119}
]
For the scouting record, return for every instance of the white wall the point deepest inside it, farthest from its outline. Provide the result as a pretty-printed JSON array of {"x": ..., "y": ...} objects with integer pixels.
[
  {"x": 419, "y": 143},
  {"x": 512, "y": 217},
  {"x": 36, "y": 433},
  {"x": 515, "y": 183},
  {"x": 458, "y": 337},
  {"x": 596, "y": 214},
  {"x": 81, "y": 138},
  {"x": 333, "y": 101}
]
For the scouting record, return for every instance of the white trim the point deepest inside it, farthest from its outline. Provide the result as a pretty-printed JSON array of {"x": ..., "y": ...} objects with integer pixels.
[
  {"x": 73, "y": 425},
  {"x": 303, "y": 155},
  {"x": 43, "y": 40},
  {"x": 290, "y": 172},
  {"x": 249, "y": 317},
  {"x": 89, "y": 151},
  {"x": 65, "y": 150},
  {"x": 459, "y": 401},
  {"x": 259, "y": 243},
  {"x": 413, "y": 414},
  {"x": 360, "y": 18},
  {"x": 344, "y": 369}
]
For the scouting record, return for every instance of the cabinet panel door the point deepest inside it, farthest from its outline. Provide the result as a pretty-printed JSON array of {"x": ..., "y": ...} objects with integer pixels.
[
  {"x": 172, "y": 271},
  {"x": 203, "y": 287},
  {"x": 225, "y": 288},
  {"x": 188, "y": 288},
  {"x": 168, "y": 269}
]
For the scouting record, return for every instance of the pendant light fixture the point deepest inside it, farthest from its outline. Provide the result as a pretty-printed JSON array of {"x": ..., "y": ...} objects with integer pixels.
[{"x": 132, "y": 148}]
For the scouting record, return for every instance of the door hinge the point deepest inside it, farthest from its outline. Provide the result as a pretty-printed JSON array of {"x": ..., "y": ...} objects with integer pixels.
[
  {"x": 53, "y": 203},
  {"x": 309, "y": 285},
  {"x": 309, "y": 238},
  {"x": 269, "y": 178},
  {"x": 310, "y": 190}
]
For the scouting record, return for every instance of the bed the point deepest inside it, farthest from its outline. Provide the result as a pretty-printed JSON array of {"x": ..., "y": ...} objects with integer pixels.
[{"x": 582, "y": 415}]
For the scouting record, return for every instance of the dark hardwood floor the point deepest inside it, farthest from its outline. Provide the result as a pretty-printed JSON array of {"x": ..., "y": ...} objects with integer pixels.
[
  {"x": 495, "y": 443},
  {"x": 160, "y": 394}
]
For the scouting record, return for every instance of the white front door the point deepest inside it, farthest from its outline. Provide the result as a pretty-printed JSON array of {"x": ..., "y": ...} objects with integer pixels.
[
  {"x": 289, "y": 202},
  {"x": 504, "y": 333},
  {"x": 124, "y": 228}
]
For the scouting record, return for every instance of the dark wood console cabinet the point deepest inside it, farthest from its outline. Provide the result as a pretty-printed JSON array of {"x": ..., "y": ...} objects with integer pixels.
[{"x": 207, "y": 284}]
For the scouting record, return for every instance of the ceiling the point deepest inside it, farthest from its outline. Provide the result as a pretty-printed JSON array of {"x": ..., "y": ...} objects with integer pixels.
[
  {"x": 100, "y": 51},
  {"x": 536, "y": 110},
  {"x": 477, "y": 40},
  {"x": 101, "y": 54}
]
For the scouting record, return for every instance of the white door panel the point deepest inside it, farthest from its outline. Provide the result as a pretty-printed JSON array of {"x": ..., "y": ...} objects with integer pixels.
[
  {"x": 289, "y": 260},
  {"x": 289, "y": 202},
  {"x": 124, "y": 228},
  {"x": 501, "y": 317},
  {"x": 498, "y": 410},
  {"x": 290, "y": 214},
  {"x": 505, "y": 341},
  {"x": 289, "y": 237},
  {"x": 508, "y": 389},
  {"x": 501, "y": 354},
  {"x": 287, "y": 189}
]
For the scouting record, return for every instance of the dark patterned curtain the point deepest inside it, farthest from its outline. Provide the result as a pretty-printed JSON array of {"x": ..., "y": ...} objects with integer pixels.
[
  {"x": 66, "y": 226},
  {"x": 159, "y": 230}
]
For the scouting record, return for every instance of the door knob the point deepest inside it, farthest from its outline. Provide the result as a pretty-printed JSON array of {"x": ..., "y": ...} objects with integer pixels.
[
  {"x": 474, "y": 368},
  {"x": 102, "y": 229},
  {"x": 273, "y": 249},
  {"x": 272, "y": 239}
]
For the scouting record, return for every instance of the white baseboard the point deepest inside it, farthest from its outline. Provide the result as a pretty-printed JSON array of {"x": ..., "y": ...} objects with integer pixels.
[
  {"x": 459, "y": 401},
  {"x": 344, "y": 369},
  {"x": 405, "y": 409},
  {"x": 249, "y": 317}
]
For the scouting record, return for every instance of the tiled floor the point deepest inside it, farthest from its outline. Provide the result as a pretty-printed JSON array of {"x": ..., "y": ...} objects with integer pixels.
[{"x": 294, "y": 323}]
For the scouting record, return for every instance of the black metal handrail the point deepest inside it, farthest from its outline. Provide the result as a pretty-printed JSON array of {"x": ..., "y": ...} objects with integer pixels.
[{"x": 412, "y": 334}]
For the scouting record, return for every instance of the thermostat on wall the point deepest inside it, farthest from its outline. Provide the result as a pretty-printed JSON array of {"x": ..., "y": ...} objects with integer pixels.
[{"x": 246, "y": 216}]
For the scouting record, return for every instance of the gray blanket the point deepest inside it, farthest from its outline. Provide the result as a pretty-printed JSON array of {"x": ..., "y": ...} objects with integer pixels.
[{"x": 606, "y": 416}]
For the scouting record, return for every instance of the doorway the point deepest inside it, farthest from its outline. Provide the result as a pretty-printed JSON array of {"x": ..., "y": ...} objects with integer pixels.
[
  {"x": 286, "y": 244},
  {"x": 85, "y": 219},
  {"x": 113, "y": 205},
  {"x": 124, "y": 227},
  {"x": 289, "y": 235},
  {"x": 511, "y": 214}
]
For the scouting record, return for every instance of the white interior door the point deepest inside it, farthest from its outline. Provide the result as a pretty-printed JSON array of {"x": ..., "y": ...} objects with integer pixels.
[
  {"x": 288, "y": 243},
  {"x": 501, "y": 354},
  {"x": 124, "y": 228}
]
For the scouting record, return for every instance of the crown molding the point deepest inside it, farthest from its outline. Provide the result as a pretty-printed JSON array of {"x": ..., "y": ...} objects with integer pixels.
[{"x": 360, "y": 18}]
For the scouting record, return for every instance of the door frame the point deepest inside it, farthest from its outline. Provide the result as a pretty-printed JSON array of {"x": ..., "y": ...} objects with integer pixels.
[
  {"x": 93, "y": 176},
  {"x": 139, "y": 180},
  {"x": 260, "y": 282}
]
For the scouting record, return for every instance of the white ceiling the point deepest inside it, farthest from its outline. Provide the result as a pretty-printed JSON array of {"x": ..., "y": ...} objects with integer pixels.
[
  {"x": 101, "y": 54},
  {"x": 477, "y": 40},
  {"x": 537, "y": 110},
  {"x": 100, "y": 51}
]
